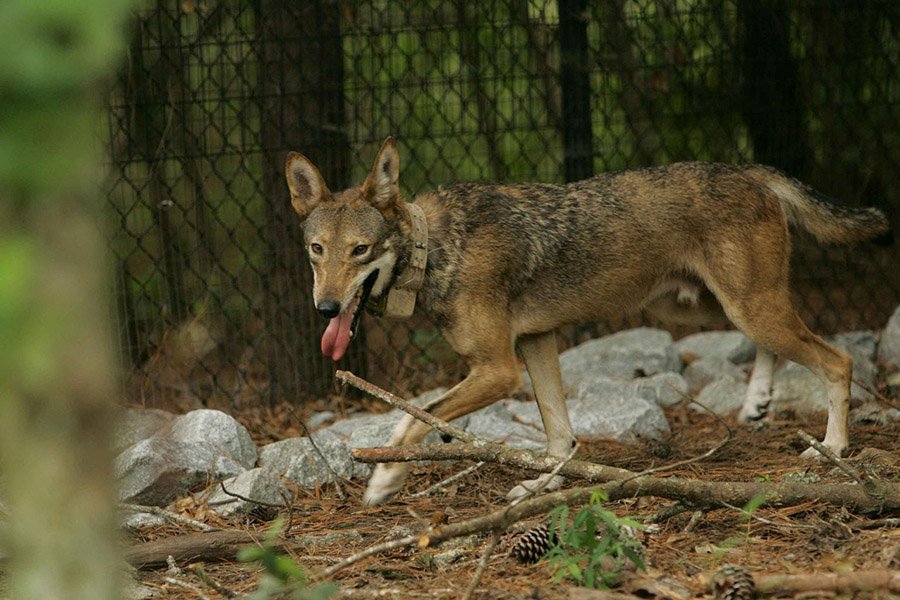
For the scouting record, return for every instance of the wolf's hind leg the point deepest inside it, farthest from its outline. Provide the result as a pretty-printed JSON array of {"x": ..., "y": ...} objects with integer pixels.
[
  {"x": 759, "y": 392},
  {"x": 542, "y": 361}
]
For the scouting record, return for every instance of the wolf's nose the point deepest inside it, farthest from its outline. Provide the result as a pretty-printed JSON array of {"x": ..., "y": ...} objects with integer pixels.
[{"x": 329, "y": 308}]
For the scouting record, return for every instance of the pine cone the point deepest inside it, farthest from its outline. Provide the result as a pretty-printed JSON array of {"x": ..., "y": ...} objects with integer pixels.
[
  {"x": 532, "y": 545},
  {"x": 731, "y": 582}
]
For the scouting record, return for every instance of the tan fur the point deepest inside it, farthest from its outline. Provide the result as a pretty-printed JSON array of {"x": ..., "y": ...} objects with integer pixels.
[{"x": 695, "y": 243}]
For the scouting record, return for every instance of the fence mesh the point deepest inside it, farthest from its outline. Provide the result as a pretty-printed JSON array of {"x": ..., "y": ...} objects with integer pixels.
[{"x": 212, "y": 284}]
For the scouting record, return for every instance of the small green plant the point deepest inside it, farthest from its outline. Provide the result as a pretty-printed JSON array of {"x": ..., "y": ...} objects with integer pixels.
[
  {"x": 595, "y": 546},
  {"x": 282, "y": 577}
]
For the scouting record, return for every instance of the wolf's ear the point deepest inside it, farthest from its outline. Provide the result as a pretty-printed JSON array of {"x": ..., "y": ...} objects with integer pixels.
[
  {"x": 305, "y": 182},
  {"x": 382, "y": 187}
]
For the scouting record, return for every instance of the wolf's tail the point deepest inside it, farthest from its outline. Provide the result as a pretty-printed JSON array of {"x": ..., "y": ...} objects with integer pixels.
[{"x": 818, "y": 214}]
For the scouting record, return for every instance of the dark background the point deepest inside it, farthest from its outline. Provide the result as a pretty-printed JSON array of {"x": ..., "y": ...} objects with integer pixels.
[{"x": 212, "y": 281}]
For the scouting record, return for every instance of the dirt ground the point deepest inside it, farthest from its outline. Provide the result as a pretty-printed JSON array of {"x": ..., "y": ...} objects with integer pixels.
[{"x": 811, "y": 537}]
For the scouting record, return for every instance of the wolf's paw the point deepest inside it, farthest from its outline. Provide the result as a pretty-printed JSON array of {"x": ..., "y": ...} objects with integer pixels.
[
  {"x": 755, "y": 408},
  {"x": 386, "y": 481},
  {"x": 813, "y": 454},
  {"x": 526, "y": 487}
]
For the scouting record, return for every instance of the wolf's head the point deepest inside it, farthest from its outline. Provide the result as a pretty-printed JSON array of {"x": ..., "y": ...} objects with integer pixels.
[{"x": 354, "y": 239}]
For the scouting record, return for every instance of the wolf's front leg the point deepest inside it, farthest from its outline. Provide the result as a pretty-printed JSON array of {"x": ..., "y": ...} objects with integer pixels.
[
  {"x": 485, "y": 384},
  {"x": 542, "y": 361}
]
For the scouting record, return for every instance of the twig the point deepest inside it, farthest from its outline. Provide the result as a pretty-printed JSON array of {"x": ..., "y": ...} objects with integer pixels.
[
  {"x": 542, "y": 485},
  {"x": 448, "y": 481},
  {"x": 169, "y": 515},
  {"x": 482, "y": 565},
  {"x": 695, "y": 520},
  {"x": 334, "y": 475},
  {"x": 873, "y": 488},
  {"x": 831, "y": 456},
  {"x": 250, "y": 500},
  {"x": 875, "y": 523},
  {"x": 373, "y": 390},
  {"x": 878, "y": 395},
  {"x": 187, "y": 586},
  {"x": 765, "y": 521},
  {"x": 666, "y": 513},
  {"x": 209, "y": 581},
  {"x": 690, "y": 492},
  {"x": 370, "y": 551}
]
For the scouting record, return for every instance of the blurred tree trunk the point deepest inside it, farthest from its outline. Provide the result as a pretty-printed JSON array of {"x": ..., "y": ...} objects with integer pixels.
[
  {"x": 56, "y": 383},
  {"x": 301, "y": 99},
  {"x": 770, "y": 91}
]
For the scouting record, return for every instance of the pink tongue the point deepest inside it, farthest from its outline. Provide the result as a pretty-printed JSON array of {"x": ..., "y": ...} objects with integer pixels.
[{"x": 337, "y": 336}]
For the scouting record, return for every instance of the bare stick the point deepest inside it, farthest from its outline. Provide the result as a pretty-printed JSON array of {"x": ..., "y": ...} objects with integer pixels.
[
  {"x": 210, "y": 582},
  {"x": 831, "y": 456},
  {"x": 878, "y": 395},
  {"x": 842, "y": 583},
  {"x": 542, "y": 485},
  {"x": 690, "y": 492},
  {"x": 448, "y": 481},
  {"x": 373, "y": 390},
  {"x": 168, "y": 515},
  {"x": 215, "y": 545},
  {"x": 482, "y": 565},
  {"x": 187, "y": 586},
  {"x": 370, "y": 551},
  {"x": 876, "y": 523},
  {"x": 696, "y": 517},
  {"x": 872, "y": 487}
]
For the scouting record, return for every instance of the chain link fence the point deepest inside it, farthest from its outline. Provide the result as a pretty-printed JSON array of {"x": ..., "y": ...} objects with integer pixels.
[{"x": 212, "y": 282}]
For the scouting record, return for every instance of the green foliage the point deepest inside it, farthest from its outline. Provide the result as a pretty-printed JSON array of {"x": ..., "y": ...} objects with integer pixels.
[
  {"x": 595, "y": 546},
  {"x": 282, "y": 577}
]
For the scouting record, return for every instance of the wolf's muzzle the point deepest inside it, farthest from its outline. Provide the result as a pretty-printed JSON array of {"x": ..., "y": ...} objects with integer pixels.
[{"x": 329, "y": 308}]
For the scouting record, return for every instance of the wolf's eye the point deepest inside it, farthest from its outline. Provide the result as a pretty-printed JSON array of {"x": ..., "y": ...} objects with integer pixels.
[
  {"x": 315, "y": 248},
  {"x": 360, "y": 250}
]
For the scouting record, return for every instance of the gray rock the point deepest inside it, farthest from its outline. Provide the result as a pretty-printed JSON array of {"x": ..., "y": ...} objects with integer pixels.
[
  {"x": 797, "y": 388},
  {"x": 134, "y": 590},
  {"x": 496, "y": 423},
  {"x": 626, "y": 354},
  {"x": 601, "y": 409},
  {"x": 722, "y": 396},
  {"x": 371, "y": 436},
  {"x": 872, "y": 413},
  {"x": 613, "y": 409},
  {"x": 318, "y": 419},
  {"x": 704, "y": 371},
  {"x": 665, "y": 389},
  {"x": 131, "y": 519},
  {"x": 136, "y": 424},
  {"x": 889, "y": 347},
  {"x": 298, "y": 460},
  {"x": 214, "y": 428},
  {"x": 732, "y": 345},
  {"x": 256, "y": 484},
  {"x": 345, "y": 427},
  {"x": 860, "y": 344},
  {"x": 159, "y": 469}
]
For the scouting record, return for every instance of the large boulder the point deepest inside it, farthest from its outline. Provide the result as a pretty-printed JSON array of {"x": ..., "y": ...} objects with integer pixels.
[
  {"x": 217, "y": 429},
  {"x": 797, "y": 388},
  {"x": 312, "y": 462},
  {"x": 889, "y": 347},
  {"x": 624, "y": 355},
  {"x": 731, "y": 345},
  {"x": 258, "y": 484},
  {"x": 723, "y": 396},
  {"x": 157, "y": 470},
  {"x": 601, "y": 408},
  {"x": 136, "y": 424},
  {"x": 704, "y": 371}
]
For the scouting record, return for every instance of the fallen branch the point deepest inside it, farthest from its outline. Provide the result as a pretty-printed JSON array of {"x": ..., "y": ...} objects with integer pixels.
[
  {"x": 167, "y": 514},
  {"x": 872, "y": 487},
  {"x": 482, "y": 565},
  {"x": 840, "y": 583},
  {"x": 695, "y": 493},
  {"x": 217, "y": 545},
  {"x": 412, "y": 409},
  {"x": 876, "y": 394}
]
